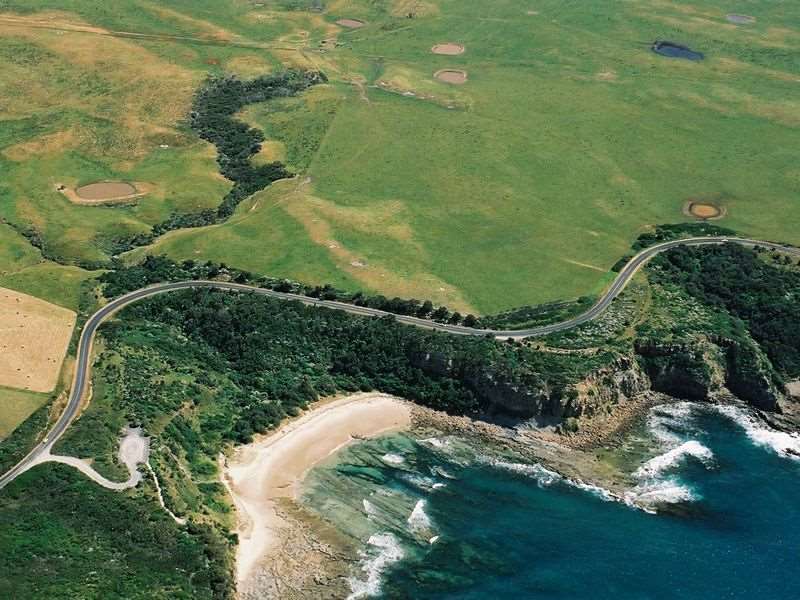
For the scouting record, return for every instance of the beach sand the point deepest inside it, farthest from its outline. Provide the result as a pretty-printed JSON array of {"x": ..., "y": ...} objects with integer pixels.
[{"x": 262, "y": 476}]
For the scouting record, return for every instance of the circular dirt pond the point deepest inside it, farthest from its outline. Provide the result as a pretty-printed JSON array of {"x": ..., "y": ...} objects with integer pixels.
[
  {"x": 741, "y": 19},
  {"x": 673, "y": 50},
  {"x": 453, "y": 76},
  {"x": 350, "y": 23},
  {"x": 106, "y": 190},
  {"x": 448, "y": 49},
  {"x": 703, "y": 210}
]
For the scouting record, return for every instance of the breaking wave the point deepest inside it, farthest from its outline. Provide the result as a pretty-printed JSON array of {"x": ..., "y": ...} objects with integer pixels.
[
  {"x": 419, "y": 520},
  {"x": 421, "y": 482},
  {"x": 670, "y": 425},
  {"x": 544, "y": 477},
  {"x": 369, "y": 508},
  {"x": 761, "y": 434},
  {"x": 382, "y": 551},
  {"x": 393, "y": 459},
  {"x": 673, "y": 458}
]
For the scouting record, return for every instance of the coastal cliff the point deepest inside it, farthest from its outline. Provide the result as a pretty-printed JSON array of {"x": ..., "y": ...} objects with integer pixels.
[{"x": 695, "y": 370}]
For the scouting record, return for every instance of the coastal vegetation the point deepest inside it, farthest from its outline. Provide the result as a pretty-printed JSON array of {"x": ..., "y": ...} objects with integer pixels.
[{"x": 78, "y": 540}]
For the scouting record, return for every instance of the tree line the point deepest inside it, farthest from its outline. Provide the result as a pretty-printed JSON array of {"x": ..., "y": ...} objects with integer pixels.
[{"x": 212, "y": 118}]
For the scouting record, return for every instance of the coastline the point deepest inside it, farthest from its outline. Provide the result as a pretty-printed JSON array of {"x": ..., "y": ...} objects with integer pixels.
[
  {"x": 287, "y": 550},
  {"x": 264, "y": 480}
]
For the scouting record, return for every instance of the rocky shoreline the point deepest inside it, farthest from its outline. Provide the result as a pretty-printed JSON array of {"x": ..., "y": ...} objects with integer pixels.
[
  {"x": 310, "y": 560},
  {"x": 314, "y": 560}
]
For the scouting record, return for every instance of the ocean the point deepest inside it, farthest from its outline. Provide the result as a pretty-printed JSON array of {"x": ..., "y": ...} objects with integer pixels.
[{"x": 714, "y": 512}]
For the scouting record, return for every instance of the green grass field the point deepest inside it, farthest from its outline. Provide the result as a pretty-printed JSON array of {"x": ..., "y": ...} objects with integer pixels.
[
  {"x": 22, "y": 268},
  {"x": 522, "y": 186},
  {"x": 16, "y": 406}
]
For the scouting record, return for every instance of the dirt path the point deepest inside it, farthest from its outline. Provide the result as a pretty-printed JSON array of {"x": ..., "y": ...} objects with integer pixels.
[{"x": 134, "y": 450}]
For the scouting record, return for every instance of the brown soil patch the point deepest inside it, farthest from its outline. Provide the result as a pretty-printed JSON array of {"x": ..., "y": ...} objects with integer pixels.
[
  {"x": 610, "y": 75},
  {"x": 350, "y": 23},
  {"x": 705, "y": 211},
  {"x": 105, "y": 192},
  {"x": 34, "y": 336},
  {"x": 448, "y": 49},
  {"x": 453, "y": 76}
]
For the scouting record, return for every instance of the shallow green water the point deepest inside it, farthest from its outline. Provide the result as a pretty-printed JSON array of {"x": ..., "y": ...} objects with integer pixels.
[{"x": 439, "y": 520}]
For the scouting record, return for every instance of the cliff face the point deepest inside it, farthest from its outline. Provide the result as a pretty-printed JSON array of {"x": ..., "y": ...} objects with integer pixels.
[
  {"x": 695, "y": 369},
  {"x": 750, "y": 376},
  {"x": 605, "y": 388},
  {"x": 682, "y": 369},
  {"x": 692, "y": 369},
  {"x": 536, "y": 396}
]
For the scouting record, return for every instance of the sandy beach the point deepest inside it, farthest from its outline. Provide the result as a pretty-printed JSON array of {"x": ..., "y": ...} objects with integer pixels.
[{"x": 263, "y": 475}]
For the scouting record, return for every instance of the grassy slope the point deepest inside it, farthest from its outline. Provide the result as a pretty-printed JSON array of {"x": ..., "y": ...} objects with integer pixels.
[
  {"x": 574, "y": 139},
  {"x": 569, "y": 138},
  {"x": 22, "y": 268},
  {"x": 16, "y": 406},
  {"x": 553, "y": 164}
]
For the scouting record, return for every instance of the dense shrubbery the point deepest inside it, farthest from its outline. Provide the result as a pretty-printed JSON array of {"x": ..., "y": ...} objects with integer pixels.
[
  {"x": 63, "y": 536},
  {"x": 533, "y": 316},
  {"x": 236, "y": 142},
  {"x": 666, "y": 233},
  {"x": 765, "y": 296},
  {"x": 282, "y": 355}
]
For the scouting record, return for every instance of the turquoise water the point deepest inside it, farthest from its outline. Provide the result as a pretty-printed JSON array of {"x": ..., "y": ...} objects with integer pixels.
[{"x": 727, "y": 526}]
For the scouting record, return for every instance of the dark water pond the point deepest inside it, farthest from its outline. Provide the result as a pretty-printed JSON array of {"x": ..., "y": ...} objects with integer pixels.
[{"x": 673, "y": 50}]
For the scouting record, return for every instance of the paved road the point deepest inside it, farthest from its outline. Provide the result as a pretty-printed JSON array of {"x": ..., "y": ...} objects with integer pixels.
[{"x": 83, "y": 366}]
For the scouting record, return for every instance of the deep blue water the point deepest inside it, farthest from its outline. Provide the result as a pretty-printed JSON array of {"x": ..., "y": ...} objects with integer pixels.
[{"x": 519, "y": 534}]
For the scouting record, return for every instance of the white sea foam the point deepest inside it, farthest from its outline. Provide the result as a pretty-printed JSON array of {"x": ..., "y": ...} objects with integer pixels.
[
  {"x": 382, "y": 551},
  {"x": 419, "y": 520},
  {"x": 369, "y": 508},
  {"x": 649, "y": 495},
  {"x": 436, "y": 442},
  {"x": 421, "y": 482},
  {"x": 544, "y": 477},
  {"x": 595, "y": 490},
  {"x": 668, "y": 422},
  {"x": 437, "y": 470},
  {"x": 654, "y": 467},
  {"x": 761, "y": 434},
  {"x": 393, "y": 459}
]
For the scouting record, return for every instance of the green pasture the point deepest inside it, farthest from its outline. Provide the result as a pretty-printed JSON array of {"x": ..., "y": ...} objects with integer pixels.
[
  {"x": 22, "y": 268},
  {"x": 524, "y": 185},
  {"x": 16, "y": 406}
]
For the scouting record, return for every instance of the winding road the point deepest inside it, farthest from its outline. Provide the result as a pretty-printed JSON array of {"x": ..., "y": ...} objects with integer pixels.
[{"x": 83, "y": 363}]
